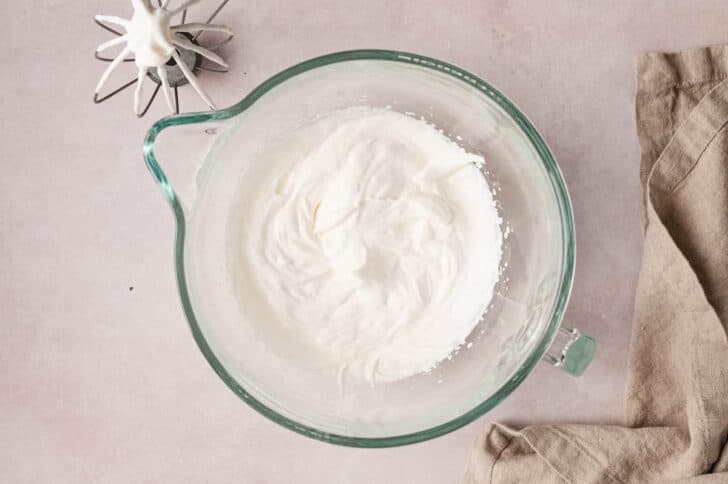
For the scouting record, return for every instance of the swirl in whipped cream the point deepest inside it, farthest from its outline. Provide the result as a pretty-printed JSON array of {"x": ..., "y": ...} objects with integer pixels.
[{"x": 371, "y": 239}]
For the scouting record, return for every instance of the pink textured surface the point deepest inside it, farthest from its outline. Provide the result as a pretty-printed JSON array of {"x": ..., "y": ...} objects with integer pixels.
[{"x": 102, "y": 384}]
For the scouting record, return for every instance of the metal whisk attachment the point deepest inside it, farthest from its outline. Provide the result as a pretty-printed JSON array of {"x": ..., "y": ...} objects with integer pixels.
[{"x": 169, "y": 54}]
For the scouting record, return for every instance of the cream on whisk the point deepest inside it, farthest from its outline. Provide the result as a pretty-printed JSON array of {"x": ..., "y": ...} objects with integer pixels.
[{"x": 369, "y": 238}]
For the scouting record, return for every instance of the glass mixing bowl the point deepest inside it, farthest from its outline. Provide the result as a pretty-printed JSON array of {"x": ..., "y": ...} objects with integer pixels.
[{"x": 206, "y": 155}]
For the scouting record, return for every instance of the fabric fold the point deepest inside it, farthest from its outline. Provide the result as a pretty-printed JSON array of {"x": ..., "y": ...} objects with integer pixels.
[{"x": 676, "y": 407}]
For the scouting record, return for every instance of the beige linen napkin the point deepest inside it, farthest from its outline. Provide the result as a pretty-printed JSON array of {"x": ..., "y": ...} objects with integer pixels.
[{"x": 676, "y": 410}]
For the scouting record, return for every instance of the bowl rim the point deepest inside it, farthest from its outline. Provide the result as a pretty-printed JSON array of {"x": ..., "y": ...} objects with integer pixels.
[{"x": 554, "y": 174}]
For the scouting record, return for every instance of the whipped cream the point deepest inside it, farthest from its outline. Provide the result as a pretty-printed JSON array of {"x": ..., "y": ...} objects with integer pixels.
[
  {"x": 149, "y": 36},
  {"x": 369, "y": 239}
]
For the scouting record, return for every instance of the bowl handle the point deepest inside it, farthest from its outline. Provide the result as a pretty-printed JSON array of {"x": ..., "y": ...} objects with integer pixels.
[
  {"x": 184, "y": 149},
  {"x": 571, "y": 350}
]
